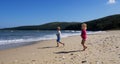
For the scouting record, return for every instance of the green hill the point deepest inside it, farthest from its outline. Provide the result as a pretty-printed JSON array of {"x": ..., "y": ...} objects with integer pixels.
[
  {"x": 47, "y": 26},
  {"x": 106, "y": 23}
]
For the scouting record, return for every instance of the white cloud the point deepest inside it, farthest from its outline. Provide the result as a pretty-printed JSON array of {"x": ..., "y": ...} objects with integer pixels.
[{"x": 111, "y": 1}]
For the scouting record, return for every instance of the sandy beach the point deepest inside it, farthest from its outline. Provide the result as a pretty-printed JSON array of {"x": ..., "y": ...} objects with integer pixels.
[{"x": 103, "y": 48}]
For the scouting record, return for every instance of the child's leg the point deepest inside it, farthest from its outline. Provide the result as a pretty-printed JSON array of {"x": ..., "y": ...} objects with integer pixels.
[
  {"x": 83, "y": 44},
  {"x": 62, "y": 43},
  {"x": 57, "y": 41},
  {"x": 57, "y": 44}
]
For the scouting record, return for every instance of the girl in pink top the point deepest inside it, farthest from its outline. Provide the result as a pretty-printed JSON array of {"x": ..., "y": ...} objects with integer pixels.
[{"x": 83, "y": 35}]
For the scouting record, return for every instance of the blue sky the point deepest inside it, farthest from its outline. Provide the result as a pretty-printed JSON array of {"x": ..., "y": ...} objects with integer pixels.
[{"x": 35, "y": 12}]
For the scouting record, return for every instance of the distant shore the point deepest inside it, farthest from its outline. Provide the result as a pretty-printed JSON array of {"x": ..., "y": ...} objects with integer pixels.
[{"x": 103, "y": 48}]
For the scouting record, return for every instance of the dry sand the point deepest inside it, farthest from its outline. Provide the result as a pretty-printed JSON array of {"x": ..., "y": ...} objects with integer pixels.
[{"x": 103, "y": 48}]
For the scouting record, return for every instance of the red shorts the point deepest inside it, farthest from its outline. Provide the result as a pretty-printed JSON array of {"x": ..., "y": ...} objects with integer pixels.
[{"x": 84, "y": 37}]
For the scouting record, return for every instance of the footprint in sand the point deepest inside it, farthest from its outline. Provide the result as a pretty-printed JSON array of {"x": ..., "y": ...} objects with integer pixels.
[{"x": 84, "y": 61}]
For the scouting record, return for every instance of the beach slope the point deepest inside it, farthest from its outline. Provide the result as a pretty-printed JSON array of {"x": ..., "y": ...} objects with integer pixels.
[{"x": 103, "y": 48}]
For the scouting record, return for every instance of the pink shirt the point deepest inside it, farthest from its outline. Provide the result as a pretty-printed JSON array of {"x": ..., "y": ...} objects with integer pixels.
[{"x": 83, "y": 34}]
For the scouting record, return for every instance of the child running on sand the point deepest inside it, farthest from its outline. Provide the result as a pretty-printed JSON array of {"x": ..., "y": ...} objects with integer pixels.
[
  {"x": 59, "y": 37},
  {"x": 83, "y": 35}
]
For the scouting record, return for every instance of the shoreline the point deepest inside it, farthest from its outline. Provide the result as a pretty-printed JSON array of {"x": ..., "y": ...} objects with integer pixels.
[
  {"x": 102, "y": 49},
  {"x": 15, "y": 45}
]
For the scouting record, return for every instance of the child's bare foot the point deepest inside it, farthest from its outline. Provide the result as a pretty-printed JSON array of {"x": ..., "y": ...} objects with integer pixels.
[
  {"x": 63, "y": 44},
  {"x": 57, "y": 46},
  {"x": 84, "y": 48}
]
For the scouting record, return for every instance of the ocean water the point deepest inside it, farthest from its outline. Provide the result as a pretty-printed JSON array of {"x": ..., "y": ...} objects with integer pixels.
[{"x": 16, "y": 38}]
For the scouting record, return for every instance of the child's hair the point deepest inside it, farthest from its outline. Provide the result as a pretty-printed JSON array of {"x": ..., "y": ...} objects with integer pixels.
[
  {"x": 58, "y": 27},
  {"x": 84, "y": 26}
]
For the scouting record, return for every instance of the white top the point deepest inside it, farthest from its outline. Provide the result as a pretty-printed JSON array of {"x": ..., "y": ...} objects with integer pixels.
[{"x": 59, "y": 33}]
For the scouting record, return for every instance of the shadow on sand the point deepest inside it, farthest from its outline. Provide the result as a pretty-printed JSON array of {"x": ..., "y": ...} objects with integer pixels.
[
  {"x": 66, "y": 52},
  {"x": 46, "y": 47}
]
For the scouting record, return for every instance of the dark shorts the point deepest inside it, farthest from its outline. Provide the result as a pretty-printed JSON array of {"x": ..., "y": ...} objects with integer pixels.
[{"x": 58, "y": 39}]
